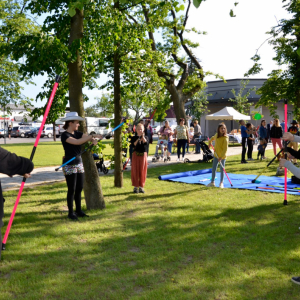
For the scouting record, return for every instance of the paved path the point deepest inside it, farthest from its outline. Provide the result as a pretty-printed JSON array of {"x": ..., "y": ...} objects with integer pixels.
[{"x": 49, "y": 175}]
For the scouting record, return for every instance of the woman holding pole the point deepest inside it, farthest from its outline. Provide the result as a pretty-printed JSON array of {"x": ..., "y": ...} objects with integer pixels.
[{"x": 72, "y": 140}]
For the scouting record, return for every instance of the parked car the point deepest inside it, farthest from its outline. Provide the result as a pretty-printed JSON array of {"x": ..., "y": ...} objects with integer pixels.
[
  {"x": 156, "y": 129},
  {"x": 2, "y": 133},
  {"x": 19, "y": 131},
  {"x": 32, "y": 133},
  {"x": 48, "y": 131}
]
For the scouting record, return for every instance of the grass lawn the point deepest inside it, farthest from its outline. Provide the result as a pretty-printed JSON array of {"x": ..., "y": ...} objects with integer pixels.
[
  {"x": 177, "y": 241},
  {"x": 51, "y": 153}
]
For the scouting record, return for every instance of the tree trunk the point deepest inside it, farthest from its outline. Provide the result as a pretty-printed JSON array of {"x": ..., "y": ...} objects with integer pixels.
[
  {"x": 178, "y": 101},
  {"x": 92, "y": 188},
  {"x": 118, "y": 116},
  {"x": 54, "y": 132}
]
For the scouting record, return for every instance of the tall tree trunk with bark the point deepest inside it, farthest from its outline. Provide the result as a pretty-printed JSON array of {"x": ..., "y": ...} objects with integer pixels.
[
  {"x": 118, "y": 174},
  {"x": 92, "y": 187}
]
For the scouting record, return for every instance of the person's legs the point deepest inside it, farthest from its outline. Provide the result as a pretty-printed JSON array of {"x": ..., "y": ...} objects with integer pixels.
[
  {"x": 214, "y": 168},
  {"x": 134, "y": 171},
  {"x": 274, "y": 145},
  {"x": 162, "y": 148},
  {"x": 178, "y": 147},
  {"x": 222, "y": 170},
  {"x": 250, "y": 149},
  {"x": 243, "y": 148},
  {"x": 187, "y": 147},
  {"x": 78, "y": 190},
  {"x": 184, "y": 142},
  {"x": 170, "y": 144},
  {"x": 71, "y": 184},
  {"x": 278, "y": 141},
  {"x": 142, "y": 170},
  {"x": 198, "y": 149},
  {"x": 156, "y": 150}
]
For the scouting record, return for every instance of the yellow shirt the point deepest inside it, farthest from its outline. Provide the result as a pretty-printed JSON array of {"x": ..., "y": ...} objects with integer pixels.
[{"x": 221, "y": 146}]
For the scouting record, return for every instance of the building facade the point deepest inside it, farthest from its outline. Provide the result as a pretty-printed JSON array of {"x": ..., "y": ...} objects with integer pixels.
[{"x": 219, "y": 94}]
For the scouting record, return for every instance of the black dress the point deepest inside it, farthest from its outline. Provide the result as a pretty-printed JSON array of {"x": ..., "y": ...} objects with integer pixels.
[{"x": 11, "y": 164}]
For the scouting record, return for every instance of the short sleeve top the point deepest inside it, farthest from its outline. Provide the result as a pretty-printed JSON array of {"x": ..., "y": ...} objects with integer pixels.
[
  {"x": 181, "y": 132},
  {"x": 71, "y": 150},
  {"x": 243, "y": 131}
]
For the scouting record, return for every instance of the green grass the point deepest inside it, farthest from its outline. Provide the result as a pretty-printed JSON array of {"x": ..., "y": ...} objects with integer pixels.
[
  {"x": 51, "y": 153},
  {"x": 177, "y": 241}
]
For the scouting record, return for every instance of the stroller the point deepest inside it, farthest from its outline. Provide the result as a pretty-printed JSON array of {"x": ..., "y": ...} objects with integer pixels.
[
  {"x": 207, "y": 154},
  {"x": 100, "y": 164}
]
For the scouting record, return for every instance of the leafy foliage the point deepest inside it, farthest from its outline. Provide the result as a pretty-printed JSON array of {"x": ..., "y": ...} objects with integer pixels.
[
  {"x": 240, "y": 100},
  {"x": 283, "y": 83}
]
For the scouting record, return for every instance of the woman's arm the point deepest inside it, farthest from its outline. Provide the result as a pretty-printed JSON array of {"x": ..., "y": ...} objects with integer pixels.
[{"x": 85, "y": 138}]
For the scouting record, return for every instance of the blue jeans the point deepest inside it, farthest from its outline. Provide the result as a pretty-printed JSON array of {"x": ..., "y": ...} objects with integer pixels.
[
  {"x": 214, "y": 169},
  {"x": 170, "y": 144}
]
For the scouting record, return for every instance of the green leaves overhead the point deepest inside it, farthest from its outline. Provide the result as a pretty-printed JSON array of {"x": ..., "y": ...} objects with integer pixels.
[{"x": 197, "y": 3}]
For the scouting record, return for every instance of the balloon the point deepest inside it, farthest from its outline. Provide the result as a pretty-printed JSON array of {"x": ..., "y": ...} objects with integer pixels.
[{"x": 257, "y": 117}]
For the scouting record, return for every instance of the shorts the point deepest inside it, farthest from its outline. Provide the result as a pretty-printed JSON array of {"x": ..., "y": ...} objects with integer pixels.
[{"x": 73, "y": 169}]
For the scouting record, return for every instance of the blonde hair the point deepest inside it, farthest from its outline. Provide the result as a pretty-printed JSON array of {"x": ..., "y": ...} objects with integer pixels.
[
  {"x": 276, "y": 123},
  {"x": 140, "y": 125}
]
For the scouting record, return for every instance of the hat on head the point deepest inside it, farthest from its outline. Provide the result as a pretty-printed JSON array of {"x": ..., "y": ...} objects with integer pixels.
[
  {"x": 294, "y": 122},
  {"x": 72, "y": 116}
]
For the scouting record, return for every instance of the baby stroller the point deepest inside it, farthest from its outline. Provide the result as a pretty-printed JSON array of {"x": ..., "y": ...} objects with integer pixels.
[
  {"x": 100, "y": 164},
  {"x": 207, "y": 154}
]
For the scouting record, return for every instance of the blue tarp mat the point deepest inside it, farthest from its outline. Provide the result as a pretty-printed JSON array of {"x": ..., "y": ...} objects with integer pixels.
[{"x": 239, "y": 181}]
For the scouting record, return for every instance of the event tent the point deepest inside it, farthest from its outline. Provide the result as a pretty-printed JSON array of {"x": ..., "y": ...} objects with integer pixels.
[{"x": 227, "y": 113}]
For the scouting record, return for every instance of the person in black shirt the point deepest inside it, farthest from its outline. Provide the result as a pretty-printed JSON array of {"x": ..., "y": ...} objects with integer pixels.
[
  {"x": 11, "y": 164},
  {"x": 9, "y": 131},
  {"x": 74, "y": 172},
  {"x": 139, "y": 162}
]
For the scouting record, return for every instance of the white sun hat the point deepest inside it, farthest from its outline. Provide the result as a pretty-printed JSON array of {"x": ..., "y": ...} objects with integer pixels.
[{"x": 72, "y": 116}]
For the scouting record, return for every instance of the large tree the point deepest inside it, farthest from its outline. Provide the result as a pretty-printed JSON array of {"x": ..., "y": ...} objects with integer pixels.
[
  {"x": 282, "y": 83},
  {"x": 13, "y": 21}
]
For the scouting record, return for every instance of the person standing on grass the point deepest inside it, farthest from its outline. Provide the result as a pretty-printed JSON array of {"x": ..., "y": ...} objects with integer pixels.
[
  {"x": 295, "y": 131},
  {"x": 245, "y": 134},
  {"x": 276, "y": 135},
  {"x": 11, "y": 164},
  {"x": 221, "y": 146},
  {"x": 250, "y": 140},
  {"x": 269, "y": 127},
  {"x": 197, "y": 134},
  {"x": 181, "y": 133},
  {"x": 283, "y": 163},
  {"x": 139, "y": 160},
  {"x": 72, "y": 140},
  {"x": 263, "y": 135}
]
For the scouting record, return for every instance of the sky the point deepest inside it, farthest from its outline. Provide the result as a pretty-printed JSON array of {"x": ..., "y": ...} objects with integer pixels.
[{"x": 228, "y": 45}]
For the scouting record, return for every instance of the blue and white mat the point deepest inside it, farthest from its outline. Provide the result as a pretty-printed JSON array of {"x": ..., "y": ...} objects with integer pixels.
[{"x": 239, "y": 181}]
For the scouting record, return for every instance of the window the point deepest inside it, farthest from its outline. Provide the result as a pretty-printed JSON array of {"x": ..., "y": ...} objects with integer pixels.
[{"x": 103, "y": 124}]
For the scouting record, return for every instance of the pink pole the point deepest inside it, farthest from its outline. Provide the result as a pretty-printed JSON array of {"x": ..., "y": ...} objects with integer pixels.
[
  {"x": 57, "y": 79},
  {"x": 285, "y": 146}
]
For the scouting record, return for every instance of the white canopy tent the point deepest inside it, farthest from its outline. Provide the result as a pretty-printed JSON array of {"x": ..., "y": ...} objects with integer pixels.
[{"x": 227, "y": 113}]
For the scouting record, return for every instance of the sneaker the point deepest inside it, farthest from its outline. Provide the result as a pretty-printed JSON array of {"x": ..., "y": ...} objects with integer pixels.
[
  {"x": 136, "y": 190},
  {"x": 182, "y": 158},
  {"x": 81, "y": 214},
  {"x": 244, "y": 162},
  {"x": 296, "y": 280},
  {"x": 250, "y": 159},
  {"x": 141, "y": 190},
  {"x": 177, "y": 159},
  {"x": 72, "y": 216},
  {"x": 211, "y": 184},
  {"x": 221, "y": 186}
]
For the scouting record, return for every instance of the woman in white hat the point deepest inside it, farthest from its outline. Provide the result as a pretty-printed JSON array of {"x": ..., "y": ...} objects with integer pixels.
[{"x": 72, "y": 139}]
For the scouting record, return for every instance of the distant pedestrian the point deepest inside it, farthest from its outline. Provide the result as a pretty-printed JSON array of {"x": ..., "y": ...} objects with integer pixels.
[
  {"x": 9, "y": 131},
  {"x": 269, "y": 126},
  {"x": 197, "y": 135},
  {"x": 181, "y": 133},
  {"x": 250, "y": 140},
  {"x": 263, "y": 135},
  {"x": 276, "y": 135}
]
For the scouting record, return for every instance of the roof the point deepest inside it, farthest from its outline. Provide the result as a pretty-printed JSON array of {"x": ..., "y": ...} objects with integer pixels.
[
  {"x": 227, "y": 113},
  {"x": 22, "y": 118}
]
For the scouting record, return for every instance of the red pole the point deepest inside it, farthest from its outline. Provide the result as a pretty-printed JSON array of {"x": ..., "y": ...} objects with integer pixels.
[
  {"x": 285, "y": 153},
  {"x": 57, "y": 80}
]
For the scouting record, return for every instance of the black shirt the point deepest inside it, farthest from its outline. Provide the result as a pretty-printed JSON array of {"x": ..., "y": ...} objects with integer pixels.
[
  {"x": 71, "y": 150},
  {"x": 140, "y": 147}
]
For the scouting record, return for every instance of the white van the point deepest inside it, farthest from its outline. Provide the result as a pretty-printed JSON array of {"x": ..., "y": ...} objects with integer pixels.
[{"x": 99, "y": 126}]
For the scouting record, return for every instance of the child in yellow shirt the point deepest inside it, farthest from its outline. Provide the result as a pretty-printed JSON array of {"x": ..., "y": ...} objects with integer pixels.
[{"x": 221, "y": 146}]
